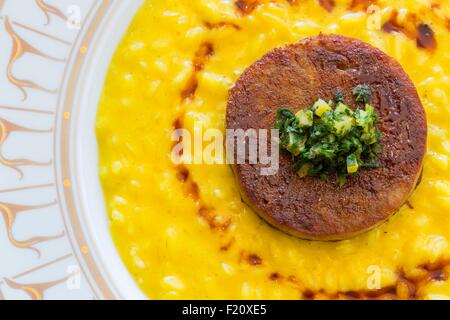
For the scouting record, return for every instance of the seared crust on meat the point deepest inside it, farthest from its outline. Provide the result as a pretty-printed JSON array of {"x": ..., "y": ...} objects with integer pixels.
[{"x": 296, "y": 76}]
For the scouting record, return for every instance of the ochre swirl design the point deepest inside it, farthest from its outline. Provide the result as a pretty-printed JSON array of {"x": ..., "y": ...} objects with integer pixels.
[
  {"x": 10, "y": 212},
  {"x": 49, "y": 9},
  {"x": 36, "y": 291},
  {"x": 6, "y": 128},
  {"x": 20, "y": 47}
]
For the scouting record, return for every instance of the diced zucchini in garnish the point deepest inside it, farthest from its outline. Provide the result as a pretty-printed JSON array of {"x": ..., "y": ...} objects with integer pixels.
[
  {"x": 295, "y": 143},
  {"x": 366, "y": 118},
  {"x": 352, "y": 163},
  {"x": 305, "y": 118},
  {"x": 331, "y": 138},
  {"x": 343, "y": 125},
  {"x": 323, "y": 150},
  {"x": 370, "y": 111},
  {"x": 320, "y": 107},
  {"x": 361, "y": 118},
  {"x": 370, "y": 137},
  {"x": 343, "y": 109}
]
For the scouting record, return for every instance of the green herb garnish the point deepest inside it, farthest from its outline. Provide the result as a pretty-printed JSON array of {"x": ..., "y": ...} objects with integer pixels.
[
  {"x": 339, "y": 97},
  {"x": 362, "y": 93},
  {"x": 331, "y": 138}
]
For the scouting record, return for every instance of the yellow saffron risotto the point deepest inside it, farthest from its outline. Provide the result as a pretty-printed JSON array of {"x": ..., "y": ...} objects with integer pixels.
[{"x": 183, "y": 231}]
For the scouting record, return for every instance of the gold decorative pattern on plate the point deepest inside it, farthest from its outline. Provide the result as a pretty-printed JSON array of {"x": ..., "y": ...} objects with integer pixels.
[
  {"x": 36, "y": 291},
  {"x": 10, "y": 212},
  {"x": 93, "y": 13},
  {"x": 49, "y": 9},
  {"x": 20, "y": 47},
  {"x": 6, "y": 128}
]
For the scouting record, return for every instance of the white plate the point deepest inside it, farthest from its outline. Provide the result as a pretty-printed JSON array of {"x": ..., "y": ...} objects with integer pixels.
[{"x": 54, "y": 236}]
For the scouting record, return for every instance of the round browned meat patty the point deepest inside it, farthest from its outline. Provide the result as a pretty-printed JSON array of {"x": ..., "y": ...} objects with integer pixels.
[{"x": 296, "y": 76}]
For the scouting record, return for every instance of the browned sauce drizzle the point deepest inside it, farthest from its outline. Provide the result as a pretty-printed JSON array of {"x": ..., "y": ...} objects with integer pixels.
[
  {"x": 251, "y": 258},
  {"x": 420, "y": 32},
  {"x": 405, "y": 287},
  {"x": 327, "y": 4},
  {"x": 182, "y": 174},
  {"x": 361, "y": 5},
  {"x": 308, "y": 294},
  {"x": 222, "y": 24},
  {"x": 190, "y": 186},
  {"x": 191, "y": 189},
  {"x": 203, "y": 53},
  {"x": 227, "y": 245},
  {"x": 409, "y": 205},
  {"x": 275, "y": 276},
  {"x": 393, "y": 26},
  {"x": 254, "y": 259},
  {"x": 425, "y": 37},
  {"x": 245, "y": 7},
  {"x": 190, "y": 88},
  {"x": 178, "y": 124}
]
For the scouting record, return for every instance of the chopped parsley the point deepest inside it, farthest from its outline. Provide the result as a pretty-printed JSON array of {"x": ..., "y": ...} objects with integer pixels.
[
  {"x": 362, "y": 93},
  {"x": 339, "y": 97},
  {"x": 330, "y": 138}
]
